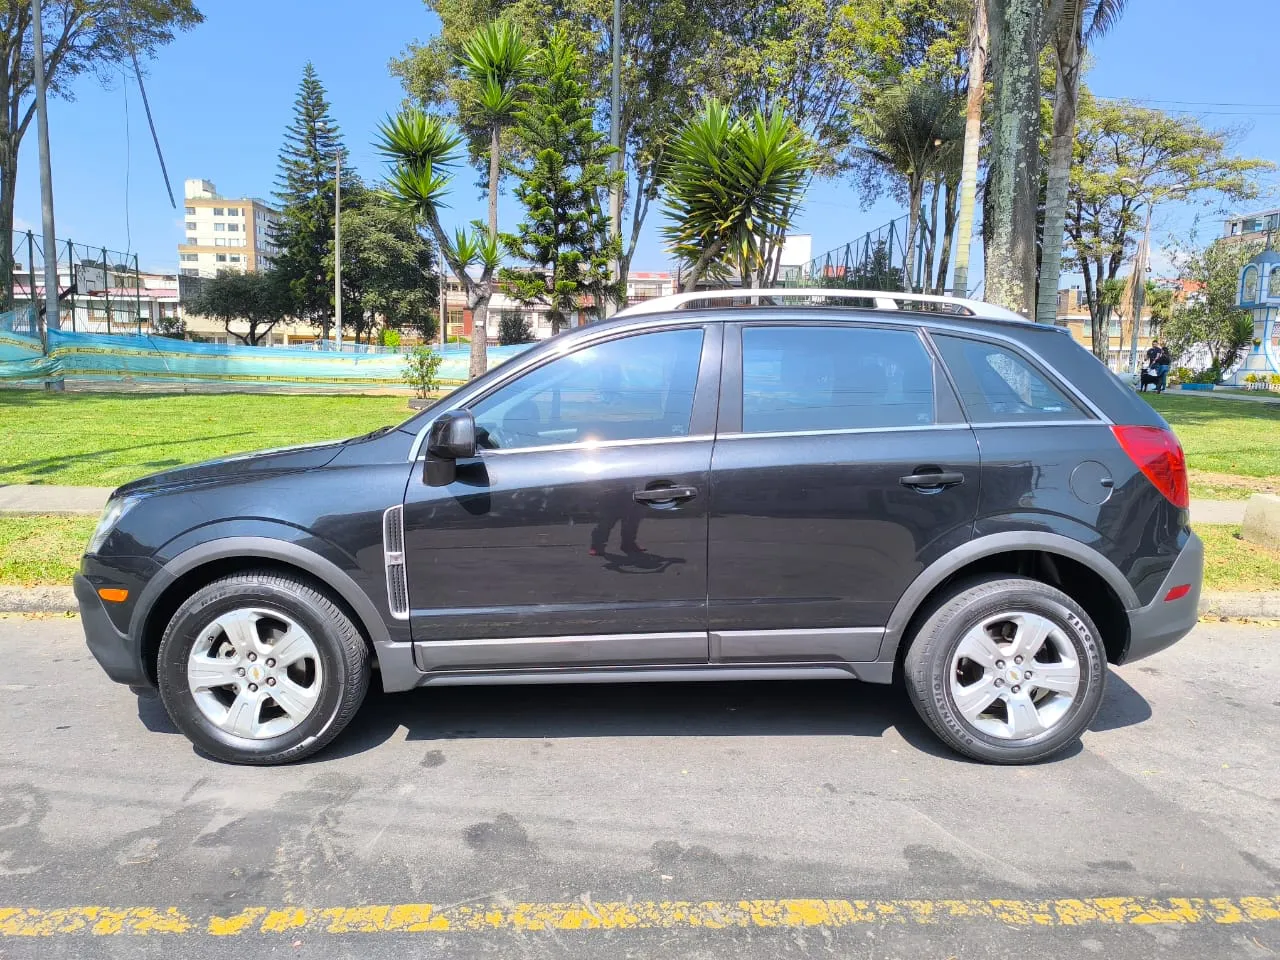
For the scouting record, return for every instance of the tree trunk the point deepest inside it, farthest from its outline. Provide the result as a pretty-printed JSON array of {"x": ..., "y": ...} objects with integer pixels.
[
  {"x": 916, "y": 191},
  {"x": 696, "y": 271},
  {"x": 495, "y": 153},
  {"x": 1015, "y": 152},
  {"x": 978, "y": 42},
  {"x": 949, "y": 213},
  {"x": 1067, "y": 51},
  {"x": 929, "y": 232},
  {"x": 478, "y": 300},
  {"x": 8, "y": 180}
]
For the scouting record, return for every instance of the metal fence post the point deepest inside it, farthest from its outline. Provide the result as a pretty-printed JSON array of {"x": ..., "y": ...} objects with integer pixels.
[
  {"x": 106, "y": 286},
  {"x": 31, "y": 291},
  {"x": 71, "y": 289},
  {"x": 137, "y": 293}
]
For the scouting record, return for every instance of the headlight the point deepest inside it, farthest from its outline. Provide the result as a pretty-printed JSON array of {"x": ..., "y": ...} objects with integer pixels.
[{"x": 117, "y": 507}]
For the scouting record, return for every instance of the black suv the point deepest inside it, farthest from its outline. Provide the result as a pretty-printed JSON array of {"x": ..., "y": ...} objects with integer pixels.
[{"x": 944, "y": 495}]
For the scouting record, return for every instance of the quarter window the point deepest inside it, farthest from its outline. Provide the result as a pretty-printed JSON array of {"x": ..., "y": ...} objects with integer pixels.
[
  {"x": 798, "y": 379},
  {"x": 634, "y": 388},
  {"x": 997, "y": 385}
]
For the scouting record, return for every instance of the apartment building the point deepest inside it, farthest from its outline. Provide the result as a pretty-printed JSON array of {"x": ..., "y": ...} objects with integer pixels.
[
  {"x": 223, "y": 233},
  {"x": 1251, "y": 227}
]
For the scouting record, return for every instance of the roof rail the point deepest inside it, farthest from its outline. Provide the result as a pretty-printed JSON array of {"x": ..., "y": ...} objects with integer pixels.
[{"x": 883, "y": 299}]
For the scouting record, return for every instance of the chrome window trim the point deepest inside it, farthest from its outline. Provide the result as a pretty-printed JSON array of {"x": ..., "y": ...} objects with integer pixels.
[
  {"x": 913, "y": 428},
  {"x": 587, "y": 445},
  {"x": 1042, "y": 423}
]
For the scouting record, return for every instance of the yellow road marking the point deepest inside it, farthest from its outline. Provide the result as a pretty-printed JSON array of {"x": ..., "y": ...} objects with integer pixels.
[{"x": 639, "y": 915}]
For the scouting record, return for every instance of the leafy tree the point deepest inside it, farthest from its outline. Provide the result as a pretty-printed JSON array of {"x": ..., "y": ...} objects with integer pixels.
[
  {"x": 421, "y": 149},
  {"x": 1110, "y": 295},
  {"x": 915, "y": 129},
  {"x": 1127, "y": 157},
  {"x": 730, "y": 184},
  {"x": 513, "y": 328},
  {"x": 1210, "y": 318},
  {"x": 388, "y": 269},
  {"x": 79, "y": 36},
  {"x": 1078, "y": 23},
  {"x": 564, "y": 236},
  {"x": 260, "y": 300},
  {"x": 305, "y": 189},
  {"x": 495, "y": 59}
]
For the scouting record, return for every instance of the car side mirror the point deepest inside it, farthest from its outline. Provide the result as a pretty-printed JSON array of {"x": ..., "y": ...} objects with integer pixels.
[{"x": 452, "y": 438}]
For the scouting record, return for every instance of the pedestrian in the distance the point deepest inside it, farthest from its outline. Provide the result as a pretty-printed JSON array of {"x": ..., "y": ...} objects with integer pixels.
[{"x": 1163, "y": 362}]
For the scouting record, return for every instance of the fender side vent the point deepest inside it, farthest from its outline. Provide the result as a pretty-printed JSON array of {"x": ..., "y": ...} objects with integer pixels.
[{"x": 393, "y": 557}]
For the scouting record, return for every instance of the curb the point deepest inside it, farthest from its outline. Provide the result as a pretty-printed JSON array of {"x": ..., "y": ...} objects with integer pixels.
[
  {"x": 37, "y": 600},
  {"x": 63, "y": 600}
]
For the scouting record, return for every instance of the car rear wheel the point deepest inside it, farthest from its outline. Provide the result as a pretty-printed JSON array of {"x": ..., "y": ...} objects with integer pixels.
[
  {"x": 1007, "y": 670},
  {"x": 259, "y": 668}
]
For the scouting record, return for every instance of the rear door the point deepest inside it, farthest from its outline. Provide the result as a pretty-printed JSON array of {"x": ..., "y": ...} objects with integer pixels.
[{"x": 842, "y": 467}]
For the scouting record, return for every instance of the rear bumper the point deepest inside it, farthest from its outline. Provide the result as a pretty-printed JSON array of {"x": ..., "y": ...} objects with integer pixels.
[
  {"x": 113, "y": 650},
  {"x": 1161, "y": 623}
]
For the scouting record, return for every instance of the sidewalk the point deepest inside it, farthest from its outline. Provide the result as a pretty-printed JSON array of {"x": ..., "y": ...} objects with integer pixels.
[
  {"x": 18, "y": 499},
  {"x": 65, "y": 501}
]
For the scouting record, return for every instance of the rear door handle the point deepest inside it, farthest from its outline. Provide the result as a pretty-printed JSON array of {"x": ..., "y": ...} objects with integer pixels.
[
  {"x": 935, "y": 481},
  {"x": 664, "y": 494}
]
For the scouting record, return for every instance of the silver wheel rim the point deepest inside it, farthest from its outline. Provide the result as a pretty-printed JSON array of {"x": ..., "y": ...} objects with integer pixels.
[
  {"x": 1014, "y": 676},
  {"x": 255, "y": 673}
]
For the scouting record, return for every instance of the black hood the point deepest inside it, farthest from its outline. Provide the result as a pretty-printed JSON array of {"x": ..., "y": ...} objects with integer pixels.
[{"x": 264, "y": 462}]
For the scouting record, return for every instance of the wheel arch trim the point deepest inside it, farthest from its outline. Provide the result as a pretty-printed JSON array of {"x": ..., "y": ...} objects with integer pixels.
[
  {"x": 262, "y": 548},
  {"x": 965, "y": 554}
]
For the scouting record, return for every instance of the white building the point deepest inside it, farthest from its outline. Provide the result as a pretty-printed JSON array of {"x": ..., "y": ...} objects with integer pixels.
[{"x": 223, "y": 233}]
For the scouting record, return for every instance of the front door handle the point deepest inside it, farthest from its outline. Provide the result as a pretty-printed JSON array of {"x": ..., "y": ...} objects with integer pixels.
[
  {"x": 664, "y": 494},
  {"x": 931, "y": 481}
]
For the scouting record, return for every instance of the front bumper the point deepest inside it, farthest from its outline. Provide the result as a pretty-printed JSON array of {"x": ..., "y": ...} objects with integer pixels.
[
  {"x": 117, "y": 655},
  {"x": 1161, "y": 623}
]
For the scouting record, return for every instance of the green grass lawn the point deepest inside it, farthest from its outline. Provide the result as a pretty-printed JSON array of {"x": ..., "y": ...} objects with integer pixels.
[
  {"x": 105, "y": 439},
  {"x": 46, "y": 550},
  {"x": 1224, "y": 437},
  {"x": 39, "y": 550}
]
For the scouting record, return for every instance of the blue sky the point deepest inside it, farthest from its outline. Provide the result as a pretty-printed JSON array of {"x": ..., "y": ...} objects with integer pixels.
[{"x": 223, "y": 94}]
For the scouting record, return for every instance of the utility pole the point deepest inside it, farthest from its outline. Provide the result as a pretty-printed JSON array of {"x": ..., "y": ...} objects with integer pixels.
[
  {"x": 337, "y": 251},
  {"x": 46, "y": 186},
  {"x": 615, "y": 139},
  {"x": 1139, "y": 287}
]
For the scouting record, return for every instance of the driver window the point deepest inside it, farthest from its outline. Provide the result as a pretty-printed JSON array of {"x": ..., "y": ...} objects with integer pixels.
[
  {"x": 997, "y": 385},
  {"x": 633, "y": 388}
]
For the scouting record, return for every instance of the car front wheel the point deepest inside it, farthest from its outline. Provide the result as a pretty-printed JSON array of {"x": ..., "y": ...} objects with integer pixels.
[
  {"x": 1007, "y": 670},
  {"x": 260, "y": 668}
]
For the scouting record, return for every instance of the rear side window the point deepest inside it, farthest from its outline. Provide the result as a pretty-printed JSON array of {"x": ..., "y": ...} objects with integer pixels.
[
  {"x": 797, "y": 379},
  {"x": 997, "y": 385}
]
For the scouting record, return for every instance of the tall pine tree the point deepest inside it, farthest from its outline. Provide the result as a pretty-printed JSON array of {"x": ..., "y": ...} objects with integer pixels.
[
  {"x": 564, "y": 236},
  {"x": 304, "y": 188}
]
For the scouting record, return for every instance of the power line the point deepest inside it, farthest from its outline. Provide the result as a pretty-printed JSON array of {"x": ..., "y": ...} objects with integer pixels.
[{"x": 1200, "y": 108}]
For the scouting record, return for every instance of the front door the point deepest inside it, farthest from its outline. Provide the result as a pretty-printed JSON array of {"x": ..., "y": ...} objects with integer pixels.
[
  {"x": 578, "y": 536},
  {"x": 843, "y": 466}
]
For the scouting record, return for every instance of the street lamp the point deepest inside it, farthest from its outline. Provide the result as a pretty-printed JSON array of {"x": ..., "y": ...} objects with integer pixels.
[{"x": 1141, "y": 267}]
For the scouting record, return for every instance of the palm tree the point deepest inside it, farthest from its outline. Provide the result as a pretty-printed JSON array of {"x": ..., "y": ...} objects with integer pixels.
[
  {"x": 912, "y": 128},
  {"x": 421, "y": 148},
  {"x": 1070, "y": 39},
  {"x": 979, "y": 39},
  {"x": 496, "y": 59},
  {"x": 729, "y": 183}
]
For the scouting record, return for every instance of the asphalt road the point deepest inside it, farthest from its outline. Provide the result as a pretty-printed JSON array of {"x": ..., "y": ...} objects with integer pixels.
[{"x": 691, "y": 821}]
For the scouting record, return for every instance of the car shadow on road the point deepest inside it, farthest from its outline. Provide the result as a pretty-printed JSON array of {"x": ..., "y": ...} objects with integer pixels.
[{"x": 744, "y": 709}]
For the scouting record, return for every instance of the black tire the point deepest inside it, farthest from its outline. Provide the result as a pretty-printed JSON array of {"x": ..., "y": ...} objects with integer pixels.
[
  {"x": 927, "y": 666},
  {"x": 340, "y": 646}
]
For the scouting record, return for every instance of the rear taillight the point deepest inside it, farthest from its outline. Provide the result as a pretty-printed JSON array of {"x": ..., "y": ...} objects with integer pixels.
[{"x": 1157, "y": 453}]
